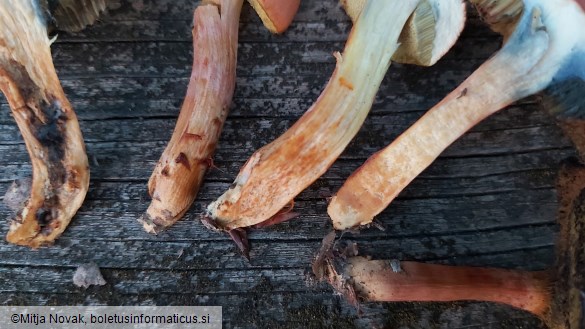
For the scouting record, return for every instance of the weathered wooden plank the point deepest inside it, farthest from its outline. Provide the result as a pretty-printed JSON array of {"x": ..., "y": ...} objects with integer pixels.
[
  {"x": 173, "y": 10},
  {"x": 207, "y": 282},
  {"x": 309, "y": 86},
  {"x": 272, "y": 310},
  {"x": 111, "y": 163},
  {"x": 128, "y": 285},
  {"x": 446, "y": 316},
  {"x": 158, "y": 10},
  {"x": 157, "y": 129},
  {"x": 164, "y": 59},
  {"x": 311, "y": 310},
  {"x": 109, "y": 86},
  {"x": 488, "y": 201},
  {"x": 376, "y": 133},
  {"x": 179, "y": 31},
  {"x": 57, "y": 279},
  {"x": 289, "y": 108},
  {"x": 129, "y": 252},
  {"x": 114, "y": 218},
  {"x": 420, "y": 188}
]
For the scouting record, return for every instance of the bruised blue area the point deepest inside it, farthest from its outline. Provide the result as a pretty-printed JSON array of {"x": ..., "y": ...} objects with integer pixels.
[
  {"x": 565, "y": 94},
  {"x": 564, "y": 99},
  {"x": 574, "y": 67},
  {"x": 567, "y": 89},
  {"x": 522, "y": 33},
  {"x": 527, "y": 45},
  {"x": 39, "y": 10},
  {"x": 44, "y": 10}
]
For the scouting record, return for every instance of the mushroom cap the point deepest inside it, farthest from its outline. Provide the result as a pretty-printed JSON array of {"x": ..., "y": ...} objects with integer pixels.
[
  {"x": 430, "y": 32},
  {"x": 72, "y": 15},
  {"x": 276, "y": 14}
]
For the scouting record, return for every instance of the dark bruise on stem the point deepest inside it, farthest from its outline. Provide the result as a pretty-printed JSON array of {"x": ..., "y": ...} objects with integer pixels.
[{"x": 45, "y": 122}]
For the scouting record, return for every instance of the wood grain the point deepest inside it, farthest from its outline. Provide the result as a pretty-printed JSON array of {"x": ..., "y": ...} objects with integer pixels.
[{"x": 489, "y": 200}]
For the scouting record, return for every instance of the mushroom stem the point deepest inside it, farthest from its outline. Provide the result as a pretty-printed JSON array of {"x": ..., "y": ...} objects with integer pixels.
[
  {"x": 556, "y": 296},
  {"x": 179, "y": 173},
  {"x": 47, "y": 123},
  {"x": 279, "y": 171},
  {"x": 382, "y": 281},
  {"x": 528, "y": 62}
]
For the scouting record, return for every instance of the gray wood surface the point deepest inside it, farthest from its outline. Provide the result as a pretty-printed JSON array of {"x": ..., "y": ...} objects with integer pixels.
[{"x": 489, "y": 200}]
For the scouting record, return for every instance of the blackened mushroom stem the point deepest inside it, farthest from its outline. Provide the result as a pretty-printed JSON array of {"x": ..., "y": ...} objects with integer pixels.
[{"x": 45, "y": 118}]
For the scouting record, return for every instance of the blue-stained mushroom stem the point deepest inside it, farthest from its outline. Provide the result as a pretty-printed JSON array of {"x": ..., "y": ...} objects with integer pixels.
[{"x": 546, "y": 47}]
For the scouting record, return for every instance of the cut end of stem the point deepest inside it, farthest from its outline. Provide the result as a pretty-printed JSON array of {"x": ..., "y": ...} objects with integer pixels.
[{"x": 157, "y": 224}]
